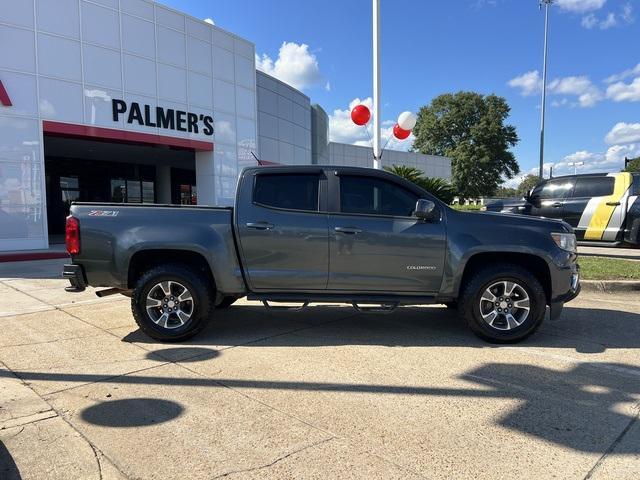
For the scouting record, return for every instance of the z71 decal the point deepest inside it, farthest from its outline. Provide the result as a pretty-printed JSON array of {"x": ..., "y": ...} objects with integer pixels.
[{"x": 104, "y": 213}]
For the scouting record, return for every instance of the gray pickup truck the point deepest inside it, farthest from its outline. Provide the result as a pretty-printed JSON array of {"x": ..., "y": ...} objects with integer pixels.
[{"x": 323, "y": 234}]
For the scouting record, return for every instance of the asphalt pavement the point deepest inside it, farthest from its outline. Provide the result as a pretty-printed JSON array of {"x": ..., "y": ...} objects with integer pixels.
[{"x": 323, "y": 393}]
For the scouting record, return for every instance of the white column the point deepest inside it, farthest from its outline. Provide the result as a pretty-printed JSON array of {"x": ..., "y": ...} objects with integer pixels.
[
  {"x": 205, "y": 181},
  {"x": 376, "y": 84}
]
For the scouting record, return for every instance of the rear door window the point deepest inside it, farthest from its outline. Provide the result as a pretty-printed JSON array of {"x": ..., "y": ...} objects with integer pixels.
[
  {"x": 374, "y": 196},
  {"x": 594, "y": 187},
  {"x": 288, "y": 191}
]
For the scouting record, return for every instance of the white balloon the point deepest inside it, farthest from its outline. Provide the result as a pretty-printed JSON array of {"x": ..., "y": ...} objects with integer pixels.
[{"x": 407, "y": 120}]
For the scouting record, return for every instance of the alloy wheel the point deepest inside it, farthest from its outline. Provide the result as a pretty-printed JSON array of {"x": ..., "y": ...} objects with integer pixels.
[
  {"x": 505, "y": 305},
  {"x": 169, "y": 304}
]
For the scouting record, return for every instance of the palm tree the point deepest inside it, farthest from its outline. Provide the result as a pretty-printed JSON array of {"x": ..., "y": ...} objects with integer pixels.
[{"x": 438, "y": 187}]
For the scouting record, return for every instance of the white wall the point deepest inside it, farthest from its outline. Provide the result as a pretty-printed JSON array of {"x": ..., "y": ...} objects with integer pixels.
[
  {"x": 284, "y": 122},
  {"x": 64, "y": 60},
  {"x": 357, "y": 156}
]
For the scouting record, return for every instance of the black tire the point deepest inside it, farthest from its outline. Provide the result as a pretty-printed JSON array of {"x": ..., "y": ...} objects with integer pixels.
[
  {"x": 472, "y": 293},
  {"x": 201, "y": 304}
]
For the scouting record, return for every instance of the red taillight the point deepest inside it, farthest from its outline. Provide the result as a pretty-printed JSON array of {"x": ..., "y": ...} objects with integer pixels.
[{"x": 72, "y": 235}]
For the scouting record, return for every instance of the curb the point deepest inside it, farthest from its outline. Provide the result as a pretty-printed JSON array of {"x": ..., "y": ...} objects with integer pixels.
[{"x": 610, "y": 286}]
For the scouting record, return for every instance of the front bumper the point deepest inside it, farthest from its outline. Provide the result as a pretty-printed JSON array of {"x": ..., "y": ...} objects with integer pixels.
[
  {"x": 569, "y": 288},
  {"x": 75, "y": 275}
]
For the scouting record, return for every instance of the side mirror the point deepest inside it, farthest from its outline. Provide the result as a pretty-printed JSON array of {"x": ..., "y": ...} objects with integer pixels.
[{"x": 425, "y": 210}]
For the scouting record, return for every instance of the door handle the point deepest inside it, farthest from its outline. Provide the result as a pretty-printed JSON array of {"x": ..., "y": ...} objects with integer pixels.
[
  {"x": 347, "y": 230},
  {"x": 260, "y": 225},
  {"x": 556, "y": 204},
  {"x": 613, "y": 204}
]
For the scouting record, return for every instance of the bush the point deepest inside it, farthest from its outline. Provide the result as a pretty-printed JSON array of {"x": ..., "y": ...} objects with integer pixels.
[{"x": 438, "y": 187}]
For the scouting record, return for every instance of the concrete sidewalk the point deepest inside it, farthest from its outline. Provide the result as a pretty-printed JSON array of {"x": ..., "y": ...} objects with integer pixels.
[{"x": 324, "y": 393}]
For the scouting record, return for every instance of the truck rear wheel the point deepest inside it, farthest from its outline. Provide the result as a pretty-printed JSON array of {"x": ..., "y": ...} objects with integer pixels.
[
  {"x": 171, "y": 302},
  {"x": 503, "y": 303}
]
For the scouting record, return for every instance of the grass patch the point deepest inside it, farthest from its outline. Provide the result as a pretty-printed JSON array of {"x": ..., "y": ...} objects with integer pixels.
[
  {"x": 467, "y": 208},
  {"x": 601, "y": 268}
]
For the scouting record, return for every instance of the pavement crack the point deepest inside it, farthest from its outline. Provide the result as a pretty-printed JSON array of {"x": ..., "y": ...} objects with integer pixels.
[
  {"x": 279, "y": 459},
  {"x": 95, "y": 454},
  {"x": 614, "y": 444}
]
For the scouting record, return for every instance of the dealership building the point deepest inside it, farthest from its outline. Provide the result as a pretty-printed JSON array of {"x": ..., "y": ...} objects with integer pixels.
[{"x": 131, "y": 101}]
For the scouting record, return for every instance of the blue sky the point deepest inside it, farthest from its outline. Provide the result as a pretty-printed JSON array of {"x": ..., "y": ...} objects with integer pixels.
[{"x": 489, "y": 46}]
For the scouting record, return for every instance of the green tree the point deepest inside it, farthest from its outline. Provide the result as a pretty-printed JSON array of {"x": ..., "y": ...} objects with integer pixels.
[
  {"x": 438, "y": 187},
  {"x": 527, "y": 184},
  {"x": 633, "y": 165},
  {"x": 470, "y": 129},
  {"x": 506, "y": 192}
]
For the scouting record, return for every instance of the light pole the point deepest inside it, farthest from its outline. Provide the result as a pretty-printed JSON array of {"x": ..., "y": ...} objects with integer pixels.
[
  {"x": 575, "y": 166},
  {"x": 376, "y": 84},
  {"x": 547, "y": 4}
]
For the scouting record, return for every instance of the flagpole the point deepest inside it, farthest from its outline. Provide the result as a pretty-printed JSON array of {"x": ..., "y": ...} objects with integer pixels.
[{"x": 376, "y": 84}]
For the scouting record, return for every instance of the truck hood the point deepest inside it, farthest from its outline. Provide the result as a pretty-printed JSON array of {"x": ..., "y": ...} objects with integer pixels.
[{"x": 513, "y": 220}]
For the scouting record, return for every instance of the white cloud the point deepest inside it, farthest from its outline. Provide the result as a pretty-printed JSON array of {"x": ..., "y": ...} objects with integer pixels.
[
  {"x": 589, "y": 21},
  {"x": 627, "y": 13},
  {"x": 343, "y": 130},
  {"x": 608, "y": 22},
  {"x": 588, "y": 94},
  {"x": 295, "y": 65},
  {"x": 581, "y": 6},
  {"x": 631, "y": 72},
  {"x": 529, "y": 83},
  {"x": 611, "y": 19},
  {"x": 623, "y": 133},
  {"x": 209, "y": 21},
  {"x": 625, "y": 92}
]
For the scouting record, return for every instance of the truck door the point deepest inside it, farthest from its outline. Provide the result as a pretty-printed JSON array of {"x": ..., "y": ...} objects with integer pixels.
[
  {"x": 376, "y": 244},
  {"x": 282, "y": 230},
  {"x": 604, "y": 214},
  {"x": 548, "y": 198},
  {"x": 587, "y": 194}
]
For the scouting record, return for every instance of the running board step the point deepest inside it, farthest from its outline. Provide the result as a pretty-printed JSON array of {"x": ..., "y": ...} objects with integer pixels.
[
  {"x": 284, "y": 307},
  {"x": 383, "y": 308},
  {"x": 386, "y": 301}
]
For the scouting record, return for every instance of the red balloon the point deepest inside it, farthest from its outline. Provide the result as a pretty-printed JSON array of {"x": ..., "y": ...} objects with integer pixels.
[
  {"x": 360, "y": 115},
  {"x": 400, "y": 133}
]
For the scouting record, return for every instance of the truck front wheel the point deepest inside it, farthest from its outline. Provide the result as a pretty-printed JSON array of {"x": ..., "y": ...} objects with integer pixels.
[
  {"x": 503, "y": 303},
  {"x": 171, "y": 302}
]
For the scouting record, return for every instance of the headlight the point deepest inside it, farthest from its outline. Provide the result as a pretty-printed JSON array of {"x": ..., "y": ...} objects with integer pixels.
[
  {"x": 483, "y": 208},
  {"x": 566, "y": 241}
]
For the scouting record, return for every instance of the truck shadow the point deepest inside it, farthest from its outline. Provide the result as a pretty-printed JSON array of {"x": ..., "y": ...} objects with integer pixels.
[
  {"x": 8, "y": 468},
  {"x": 584, "y": 330}
]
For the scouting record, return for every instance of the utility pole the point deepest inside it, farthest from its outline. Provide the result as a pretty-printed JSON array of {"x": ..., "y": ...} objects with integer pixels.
[
  {"x": 547, "y": 4},
  {"x": 376, "y": 84},
  {"x": 575, "y": 166}
]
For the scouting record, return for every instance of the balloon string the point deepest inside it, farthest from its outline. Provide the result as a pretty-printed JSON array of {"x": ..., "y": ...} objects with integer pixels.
[
  {"x": 384, "y": 148},
  {"x": 370, "y": 140}
]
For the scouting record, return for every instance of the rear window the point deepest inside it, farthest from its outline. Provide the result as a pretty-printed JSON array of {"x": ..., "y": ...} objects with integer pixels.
[
  {"x": 293, "y": 192},
  {"x": 636, "y": 184},
  {"x": 594, "y": 186},
  {"x": 559, "y": 188}
]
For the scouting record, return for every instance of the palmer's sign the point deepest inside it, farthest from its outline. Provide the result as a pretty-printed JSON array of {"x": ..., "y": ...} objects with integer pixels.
[{"x": 167, "y": 118}]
